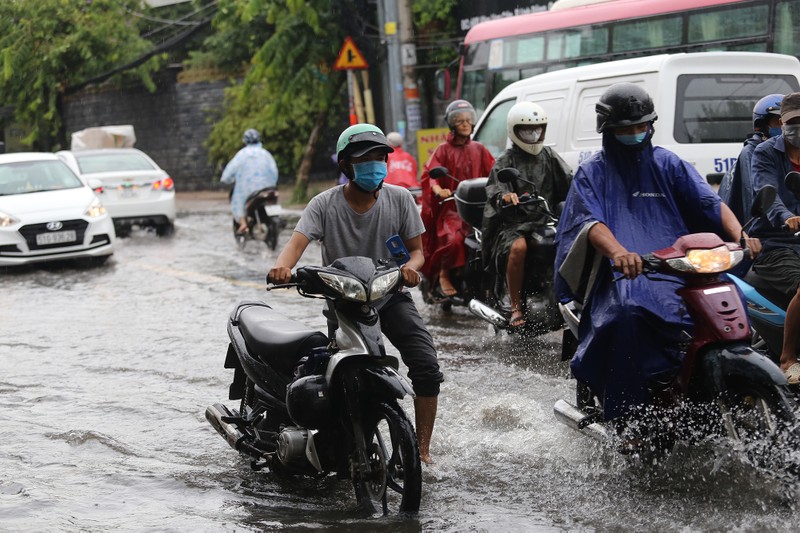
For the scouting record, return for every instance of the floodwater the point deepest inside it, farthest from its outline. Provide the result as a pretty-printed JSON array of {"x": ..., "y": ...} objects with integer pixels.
[{"x": 105, "y": 374}]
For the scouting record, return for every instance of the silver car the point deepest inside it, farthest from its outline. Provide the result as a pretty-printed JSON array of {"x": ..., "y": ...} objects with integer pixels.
[{"x": 136, "y": 191}]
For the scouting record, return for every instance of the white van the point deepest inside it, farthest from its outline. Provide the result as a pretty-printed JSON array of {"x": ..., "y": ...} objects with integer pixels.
[{"x": 704, "y": 102}]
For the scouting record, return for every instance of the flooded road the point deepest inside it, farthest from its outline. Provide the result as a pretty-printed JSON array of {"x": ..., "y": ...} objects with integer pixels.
[{"x": 105, "y": 374}]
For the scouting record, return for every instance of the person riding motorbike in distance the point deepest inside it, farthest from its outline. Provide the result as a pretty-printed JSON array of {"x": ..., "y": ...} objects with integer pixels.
[
  {"x": 356, "y": 219},
  {"x": 628, "y": 199},
  {"x": 464, "y": 159},
  {"x": 252, "y": 169},
  {"x": 507, "y": 230}
]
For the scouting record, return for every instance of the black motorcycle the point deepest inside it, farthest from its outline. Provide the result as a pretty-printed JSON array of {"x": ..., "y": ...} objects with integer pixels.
[
  {"x": 264, "y": 221},
  {"x": 539, "y": 305},
  {"x": 313, "y": 404}
]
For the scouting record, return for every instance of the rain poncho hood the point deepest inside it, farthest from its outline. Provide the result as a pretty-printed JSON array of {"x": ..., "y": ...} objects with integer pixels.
[{"x": 630, "y": 329}]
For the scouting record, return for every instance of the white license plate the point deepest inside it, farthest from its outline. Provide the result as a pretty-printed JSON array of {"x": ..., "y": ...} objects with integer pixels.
[
  {"x": 128, "y": 191},
  {"x": 273, "y": 210},
  {"x": 56, "y": 237}
]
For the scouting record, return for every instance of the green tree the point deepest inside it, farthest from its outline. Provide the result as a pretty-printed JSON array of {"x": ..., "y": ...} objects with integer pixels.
[
  {"x": 47, "y": 46},
  {"x": 289, "y": 91}
]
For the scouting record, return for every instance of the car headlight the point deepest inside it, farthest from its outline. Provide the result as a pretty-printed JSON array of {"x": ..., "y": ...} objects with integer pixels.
[
  {"x": 95, "y": 209},
  {"x": 382, "y": 285},
  {"x": 7, "y": 220},
  {"x": 349, "y": 288},
  {"x": 707, "y": 261}
]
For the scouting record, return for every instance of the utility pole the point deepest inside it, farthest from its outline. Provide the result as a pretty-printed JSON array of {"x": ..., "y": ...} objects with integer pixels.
[
  {"x": 395, "y": 115},
  {"x": 408, "y": 60}
]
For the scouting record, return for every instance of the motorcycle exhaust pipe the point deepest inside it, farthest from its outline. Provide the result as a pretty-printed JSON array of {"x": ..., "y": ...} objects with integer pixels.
[
  {"x": 483, "y": 311},
  {"x": 571, "y": 416},
  {"x": 229, "y": 432}
]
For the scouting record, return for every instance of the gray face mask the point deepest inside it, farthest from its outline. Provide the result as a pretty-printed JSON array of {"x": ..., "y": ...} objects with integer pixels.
[{"x": 791, "y": 134}]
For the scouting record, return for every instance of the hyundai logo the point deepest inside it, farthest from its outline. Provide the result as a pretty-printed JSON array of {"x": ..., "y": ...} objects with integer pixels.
[{"x": 54, "y": 226}]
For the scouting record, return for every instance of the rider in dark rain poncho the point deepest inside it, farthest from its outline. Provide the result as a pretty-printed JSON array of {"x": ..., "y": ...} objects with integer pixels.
[{"x": 631, "y": 198}]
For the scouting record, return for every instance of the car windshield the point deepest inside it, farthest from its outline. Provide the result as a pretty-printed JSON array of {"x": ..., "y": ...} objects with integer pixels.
[
  {"x": 97, "y": 163},
  {"x": 36, "y": 176}
]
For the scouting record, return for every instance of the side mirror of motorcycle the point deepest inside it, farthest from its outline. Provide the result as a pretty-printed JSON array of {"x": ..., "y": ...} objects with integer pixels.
[
  {"x": 792, "y": 182},
  {"x": 507, "y": 175},
  {"x": 765, "y": 197},
  {"x": 437, "y": 172}
]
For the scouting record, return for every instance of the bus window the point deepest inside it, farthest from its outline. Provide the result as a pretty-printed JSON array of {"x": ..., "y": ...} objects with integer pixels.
[
  {"x": 474, "y": 89},
  {"x": 647, "y": 33},
  {"x": 494, "y": 133},
  {"x": 787, "y": 28},
  {"x": 530, "y": 50},
  {"x": 718, "y": 109},
  {"x": 501, "y": 80},
  {"x": 724, "y": 24}
]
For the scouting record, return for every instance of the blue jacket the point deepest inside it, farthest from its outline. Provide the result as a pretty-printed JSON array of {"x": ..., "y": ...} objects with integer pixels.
[
  {"x": 770, "y": 166},
  {"x": 736, "y": 189}
]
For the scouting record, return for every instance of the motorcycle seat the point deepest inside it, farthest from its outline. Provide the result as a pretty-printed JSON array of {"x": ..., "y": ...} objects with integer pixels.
[{"x": 275, "y": 339}]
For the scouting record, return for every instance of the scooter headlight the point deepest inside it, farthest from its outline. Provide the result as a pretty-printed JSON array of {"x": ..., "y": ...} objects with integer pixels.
[
  {"x": 349, "y": 288},
  {"x": 383, "y": 284},
  {"x": 707, "y": 261}
]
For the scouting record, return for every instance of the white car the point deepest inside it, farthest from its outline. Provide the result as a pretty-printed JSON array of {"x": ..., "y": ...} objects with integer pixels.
[
  {"x": 47, "y": 213},
  {"x": 136, "y": 191}
]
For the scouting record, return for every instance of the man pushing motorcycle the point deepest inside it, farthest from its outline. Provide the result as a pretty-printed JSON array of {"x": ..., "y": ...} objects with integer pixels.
[
  {"x": 356, "y": 219},
  {"x": 629, "y": 199}
]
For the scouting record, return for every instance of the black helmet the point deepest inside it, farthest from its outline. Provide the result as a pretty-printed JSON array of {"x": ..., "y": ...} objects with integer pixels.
[{"x": 624, "y": 104}]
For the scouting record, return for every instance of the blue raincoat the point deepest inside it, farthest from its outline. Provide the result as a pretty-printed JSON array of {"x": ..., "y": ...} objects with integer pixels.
[{"x": 630, "y": 329}]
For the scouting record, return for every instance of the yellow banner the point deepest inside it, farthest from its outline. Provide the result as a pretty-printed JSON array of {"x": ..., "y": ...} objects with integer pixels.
[{"x": 427, "y": 141}]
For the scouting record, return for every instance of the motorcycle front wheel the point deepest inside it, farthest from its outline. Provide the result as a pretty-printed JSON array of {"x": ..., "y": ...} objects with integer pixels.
[
  {"x": 394, "y": 481},
  {"x": 762, "y": 417}
]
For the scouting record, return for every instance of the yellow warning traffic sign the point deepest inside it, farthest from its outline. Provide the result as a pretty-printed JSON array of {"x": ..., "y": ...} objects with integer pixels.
[{"x": 350, "y": 58}]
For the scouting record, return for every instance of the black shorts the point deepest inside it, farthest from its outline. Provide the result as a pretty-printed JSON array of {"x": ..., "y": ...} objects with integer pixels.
[{"x": 780, "y": 267}]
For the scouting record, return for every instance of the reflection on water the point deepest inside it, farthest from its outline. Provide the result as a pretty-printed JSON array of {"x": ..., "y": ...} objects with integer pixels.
[{"x": 105, "y": 374}]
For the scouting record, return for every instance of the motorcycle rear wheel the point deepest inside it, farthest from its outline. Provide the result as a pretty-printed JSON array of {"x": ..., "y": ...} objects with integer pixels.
[
  {"x": 273, "y": 229},
  {"x": 395, "y": 482}
]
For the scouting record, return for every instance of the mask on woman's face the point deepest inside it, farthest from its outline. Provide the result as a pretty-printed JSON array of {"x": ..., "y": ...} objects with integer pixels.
[
  {"x": 369, "y": 175},
  {"x": 632, "y": 140},
  {"x": 791, "y": 134},
  {"x": 774, "y": 132}
]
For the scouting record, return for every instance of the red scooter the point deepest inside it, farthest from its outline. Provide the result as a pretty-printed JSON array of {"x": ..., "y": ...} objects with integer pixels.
[{"x": 723, "y": 386}]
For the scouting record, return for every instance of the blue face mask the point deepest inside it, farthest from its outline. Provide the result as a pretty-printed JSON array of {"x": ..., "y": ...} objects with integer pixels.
[
  {"x": 774, "y": 132},
  {"x": 369, "y": 175},
  {"x": 632, "y": 140}
]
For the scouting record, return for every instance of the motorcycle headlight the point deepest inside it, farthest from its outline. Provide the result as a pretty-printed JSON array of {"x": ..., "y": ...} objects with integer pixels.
[
  {"x": 95, "y": 209},
  {"x": 707, "y": 261},
  {"x": 7, "y": 220},
  {"x": 349, "y": 288},
  {"x": 382, "y": 285}
]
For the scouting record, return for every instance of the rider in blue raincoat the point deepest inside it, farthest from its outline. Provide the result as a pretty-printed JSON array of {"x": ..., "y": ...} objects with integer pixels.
[{"x": 631, "y": 198}]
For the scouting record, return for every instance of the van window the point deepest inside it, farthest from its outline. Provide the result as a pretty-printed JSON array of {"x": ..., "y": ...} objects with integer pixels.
[
  {"x": 719, "y": 108},
  {"x": 493, "y": 133}
]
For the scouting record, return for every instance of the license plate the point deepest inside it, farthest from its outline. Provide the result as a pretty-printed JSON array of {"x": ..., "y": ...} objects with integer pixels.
[
  {"x": 56, "y": 237},
  {"x": 273, "y": 210},
  {"x": 128, "y": 191}
]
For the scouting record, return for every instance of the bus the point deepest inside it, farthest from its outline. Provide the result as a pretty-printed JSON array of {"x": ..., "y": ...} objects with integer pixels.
[{"x": 499, "y": 52}]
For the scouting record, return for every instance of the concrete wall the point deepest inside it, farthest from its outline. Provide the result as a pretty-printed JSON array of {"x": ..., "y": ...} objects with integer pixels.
[{"x": 171, "y": 124}]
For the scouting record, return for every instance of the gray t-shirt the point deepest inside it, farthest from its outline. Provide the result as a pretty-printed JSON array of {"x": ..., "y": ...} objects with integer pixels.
[{"x": 344, "y": 232}]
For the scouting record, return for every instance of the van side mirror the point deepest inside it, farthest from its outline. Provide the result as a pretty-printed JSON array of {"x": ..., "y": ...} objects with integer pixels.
[
  {"x": 442, "y": 81},
  {"x": 792, "y": 182}
]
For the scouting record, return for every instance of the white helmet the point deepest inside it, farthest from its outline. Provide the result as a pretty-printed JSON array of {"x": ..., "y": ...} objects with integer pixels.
[{"x": 527, "y": 124}]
